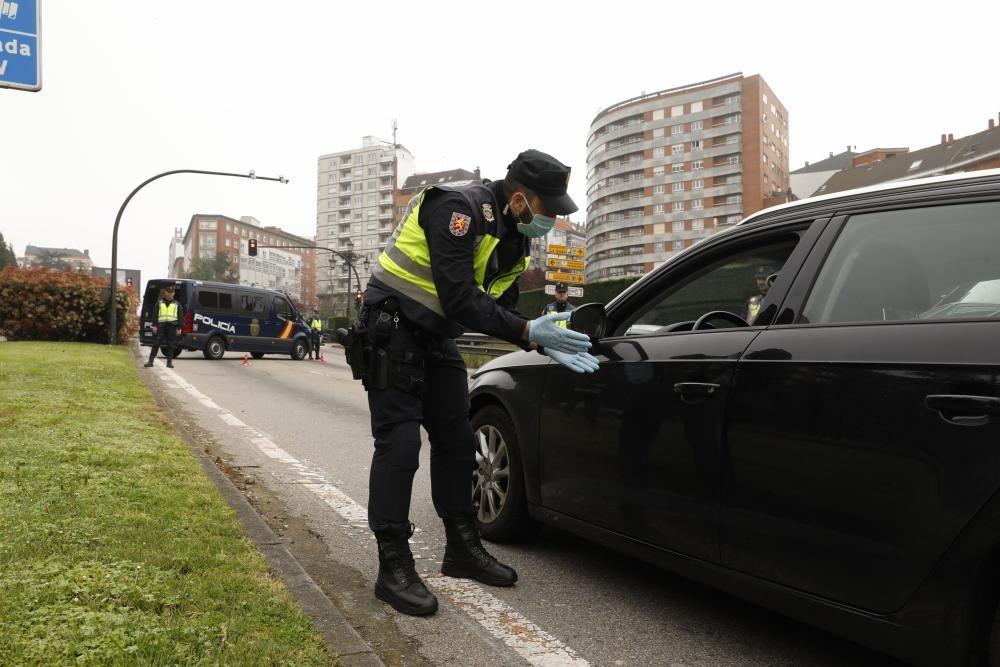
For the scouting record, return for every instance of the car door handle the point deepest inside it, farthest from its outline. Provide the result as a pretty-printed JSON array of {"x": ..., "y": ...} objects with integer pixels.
[
  {"x": 963, "y": 410},
  {"x": 695, "y": 392}
]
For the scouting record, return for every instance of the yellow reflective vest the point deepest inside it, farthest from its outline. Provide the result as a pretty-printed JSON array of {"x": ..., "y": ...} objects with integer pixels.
[
  {"x": 405, "y": 264},
  {"x": 316, "y": 324},
  {"x": 168, "y": 312}
]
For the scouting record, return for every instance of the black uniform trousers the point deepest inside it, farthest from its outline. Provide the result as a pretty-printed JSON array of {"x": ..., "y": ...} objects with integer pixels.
[
  {"x": 314, "y": 339},
  {"x": 437, "y": 399},
  {"x": 166, "y": 337}
]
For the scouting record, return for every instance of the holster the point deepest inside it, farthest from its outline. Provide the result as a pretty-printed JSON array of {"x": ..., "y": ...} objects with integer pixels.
[{"x": 388, "y": 363}]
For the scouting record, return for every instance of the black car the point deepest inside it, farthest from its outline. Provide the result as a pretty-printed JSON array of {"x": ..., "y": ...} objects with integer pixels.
[{"x": 802, "y": 409}]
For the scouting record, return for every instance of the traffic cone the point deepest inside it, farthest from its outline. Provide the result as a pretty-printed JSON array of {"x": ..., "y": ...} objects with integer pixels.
[
  {"x": 246, "y": 360},
  {"x": 322, "y": 358}
]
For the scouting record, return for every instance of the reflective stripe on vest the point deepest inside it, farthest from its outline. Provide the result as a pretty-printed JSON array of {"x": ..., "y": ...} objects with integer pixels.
[
  {"x": 167, "y": 312},
  {"x": 405, "y": 264}
]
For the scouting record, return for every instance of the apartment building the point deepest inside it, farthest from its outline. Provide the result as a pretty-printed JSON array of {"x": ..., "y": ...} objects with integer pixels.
[
  {"x": 668, "y": 168},
  {"x": 281, "y": 262},
  {"x": 355, "y": 213},
  {"x": 69, "y": 259},
  {"x": 564, "y": 232}
]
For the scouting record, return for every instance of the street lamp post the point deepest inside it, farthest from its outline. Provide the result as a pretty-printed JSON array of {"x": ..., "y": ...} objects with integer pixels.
[
  {"x": 113, "y": 316},
  {"x": 349, "y": 258}
]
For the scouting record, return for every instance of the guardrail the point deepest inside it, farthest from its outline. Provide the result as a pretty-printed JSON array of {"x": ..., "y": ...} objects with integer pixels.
[
  {"x": 477, "y": 343},
  {"x": 469, "y": 343}
]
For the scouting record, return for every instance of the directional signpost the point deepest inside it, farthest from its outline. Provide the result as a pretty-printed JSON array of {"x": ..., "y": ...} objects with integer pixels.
[
  {"x": 20, "y": 38},
  {"x": 563, "y": 267}
]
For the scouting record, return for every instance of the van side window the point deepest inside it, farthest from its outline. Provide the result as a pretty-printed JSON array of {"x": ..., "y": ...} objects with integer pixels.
[
  {"x": 251, "y": 304},
  {"x": 930, "y": 263},
  {"x": 208, "y": 299},
  {"x": 225, "y": 301},
  {"x": 281, "y": 307}
]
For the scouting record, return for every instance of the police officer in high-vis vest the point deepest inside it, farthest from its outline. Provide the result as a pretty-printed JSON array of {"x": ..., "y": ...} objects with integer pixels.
[
  {"x": 315, "y": 331},
  {"x": 561, "y": 304},
  {"x": 169, "y": 316},
  {"x": 451, "y": 265}
]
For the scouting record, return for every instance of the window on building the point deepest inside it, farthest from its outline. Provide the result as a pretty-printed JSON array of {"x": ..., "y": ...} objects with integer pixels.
[
  {"x": 658, "y": 170},
  {"x": 677, "y": 168},
  {"x": 697, "y": 225},
  {"x": 658, "y": 151},
  {"x": 677, "y": 129},
  {"x": 697, "y": 125},
  {"x": 678, "y": 206},
  {"x": 658, "y": 132},
  {"x": 697, "y": 106},
  {"x": 658, "y": 114},
  {"x": 677, "y": 187},
  {"x": 696, "y": 144},
  {"x": 677, "y": 110},
  {"x": 697, "y": 204},
  {"x": 697, "y": 164},
  {"x": 658, "y": 208},
  {"x": 677, "y": 149},
  {"x": 658, "y": 189},
  {"x": 697, "y": 184},
  {"x": 658, "y": 246}
]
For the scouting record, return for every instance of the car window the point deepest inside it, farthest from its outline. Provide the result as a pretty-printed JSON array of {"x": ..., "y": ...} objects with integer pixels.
[
  {"x": 282, "y": 308},
  {"x": 931, "y": 263},
  {"x": 736, "y": 282},
  {"x": 208, "y": 299}
]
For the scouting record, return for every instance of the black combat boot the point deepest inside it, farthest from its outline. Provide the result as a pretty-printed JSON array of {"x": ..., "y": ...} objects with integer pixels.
[
  {"x": 398, "y": 582},
  {"x": 465, "y": 557}
]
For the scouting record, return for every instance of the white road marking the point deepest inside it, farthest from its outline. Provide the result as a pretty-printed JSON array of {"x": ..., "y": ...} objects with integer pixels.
[{"x": 501, "y": 620}]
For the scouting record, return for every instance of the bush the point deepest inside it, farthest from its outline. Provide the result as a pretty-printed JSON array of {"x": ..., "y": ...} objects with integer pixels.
[{"x": 39, "y": 304}]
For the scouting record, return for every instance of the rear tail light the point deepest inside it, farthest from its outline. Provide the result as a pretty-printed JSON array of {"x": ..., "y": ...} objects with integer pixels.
[{"x": 188, "y": 321}]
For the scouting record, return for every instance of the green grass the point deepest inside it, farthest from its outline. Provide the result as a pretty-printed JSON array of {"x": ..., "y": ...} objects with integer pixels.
[{"x": 115, "y": 548}]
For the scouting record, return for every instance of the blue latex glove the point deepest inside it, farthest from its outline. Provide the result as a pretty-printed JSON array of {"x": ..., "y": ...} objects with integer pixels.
[
  {"x": 550, "y": 335},
  {"x": 581, "y": 362}
]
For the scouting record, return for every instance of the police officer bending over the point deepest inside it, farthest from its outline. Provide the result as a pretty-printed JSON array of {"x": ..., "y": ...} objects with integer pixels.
[
  {"x": 450, "y": 266},
  {"x": 167, "y": 329}
]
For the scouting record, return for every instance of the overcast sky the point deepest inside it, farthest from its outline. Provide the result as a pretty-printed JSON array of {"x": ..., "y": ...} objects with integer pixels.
[{"x": 132, "y": 88}]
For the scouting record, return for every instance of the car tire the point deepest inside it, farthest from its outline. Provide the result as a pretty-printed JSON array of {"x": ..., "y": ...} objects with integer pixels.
[
  {"x": 215, "y": 348},
  {"x": 299, "y": 350},
  {"x": 257, "y": 355},
  {"x": 498, "y": 479}
]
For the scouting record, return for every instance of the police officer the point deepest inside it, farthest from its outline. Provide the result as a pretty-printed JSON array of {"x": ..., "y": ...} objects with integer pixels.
[
  {"x": 169, "y": 315},
  {"x": 451, "y": 265},
  {"x": 315, "y": 333},
  {"x": 561, "y": 304}
]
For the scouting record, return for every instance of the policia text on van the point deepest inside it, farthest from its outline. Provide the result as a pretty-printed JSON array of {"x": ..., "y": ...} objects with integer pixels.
[{"x": 220, "y": 317}]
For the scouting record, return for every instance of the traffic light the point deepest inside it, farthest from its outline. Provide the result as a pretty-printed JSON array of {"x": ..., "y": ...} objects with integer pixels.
[{"x": 252, "y": 247}]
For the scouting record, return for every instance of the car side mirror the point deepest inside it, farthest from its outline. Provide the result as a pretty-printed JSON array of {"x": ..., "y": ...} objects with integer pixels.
[{"x": 590, "y": 318}]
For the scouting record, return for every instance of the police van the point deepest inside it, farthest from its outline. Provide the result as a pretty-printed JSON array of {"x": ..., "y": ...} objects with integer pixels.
[{"x": 220, "y": 317}]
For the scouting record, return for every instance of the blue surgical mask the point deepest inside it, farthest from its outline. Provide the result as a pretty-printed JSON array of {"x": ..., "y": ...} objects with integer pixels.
[{"x": 539, "y": 224}]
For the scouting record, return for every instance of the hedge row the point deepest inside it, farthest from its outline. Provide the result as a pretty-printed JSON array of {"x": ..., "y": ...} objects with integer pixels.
[{"x": 40, "y": 304}]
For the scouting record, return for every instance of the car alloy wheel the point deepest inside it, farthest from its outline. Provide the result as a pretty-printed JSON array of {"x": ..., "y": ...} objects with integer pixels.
[{"x": 491, "y": 481}]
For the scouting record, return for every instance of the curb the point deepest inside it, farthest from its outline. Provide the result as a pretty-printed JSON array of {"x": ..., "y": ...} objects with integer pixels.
[{"x": 339, "y": 635}]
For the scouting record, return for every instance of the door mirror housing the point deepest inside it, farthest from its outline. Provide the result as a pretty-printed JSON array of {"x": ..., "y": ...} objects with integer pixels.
[{"x": 590, "y": 318}]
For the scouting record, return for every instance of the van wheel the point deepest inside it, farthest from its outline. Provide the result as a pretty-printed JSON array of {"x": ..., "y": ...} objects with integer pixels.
[
  {"x": 257, "y": 355},
  {"x": 299, "y": 350},
  {"x": 215, "y": 348}
]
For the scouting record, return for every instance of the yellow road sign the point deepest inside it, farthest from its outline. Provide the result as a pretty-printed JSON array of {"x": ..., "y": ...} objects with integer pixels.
[
  {"x": 560, "y": 277},
  {"x": 554, "y": 263},
  {"x": 572, "y": 251}
]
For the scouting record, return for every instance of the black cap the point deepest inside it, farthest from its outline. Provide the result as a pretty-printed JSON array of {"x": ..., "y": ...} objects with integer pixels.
[
  {"x": 561, "y": 287},
  {"x": 546, "y": 176}
]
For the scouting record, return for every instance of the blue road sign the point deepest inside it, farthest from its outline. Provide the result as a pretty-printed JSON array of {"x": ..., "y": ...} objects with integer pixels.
[{"x": 20, "y": 36}]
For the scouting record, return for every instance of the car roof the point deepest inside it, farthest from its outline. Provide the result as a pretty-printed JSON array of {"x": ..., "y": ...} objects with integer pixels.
[{"x": 881, "y": 188}]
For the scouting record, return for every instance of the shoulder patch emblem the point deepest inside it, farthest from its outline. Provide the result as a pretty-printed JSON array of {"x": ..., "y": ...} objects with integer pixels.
[
  {"x": 460, "y": 224},
  {"x": 488, "y": 212}
]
